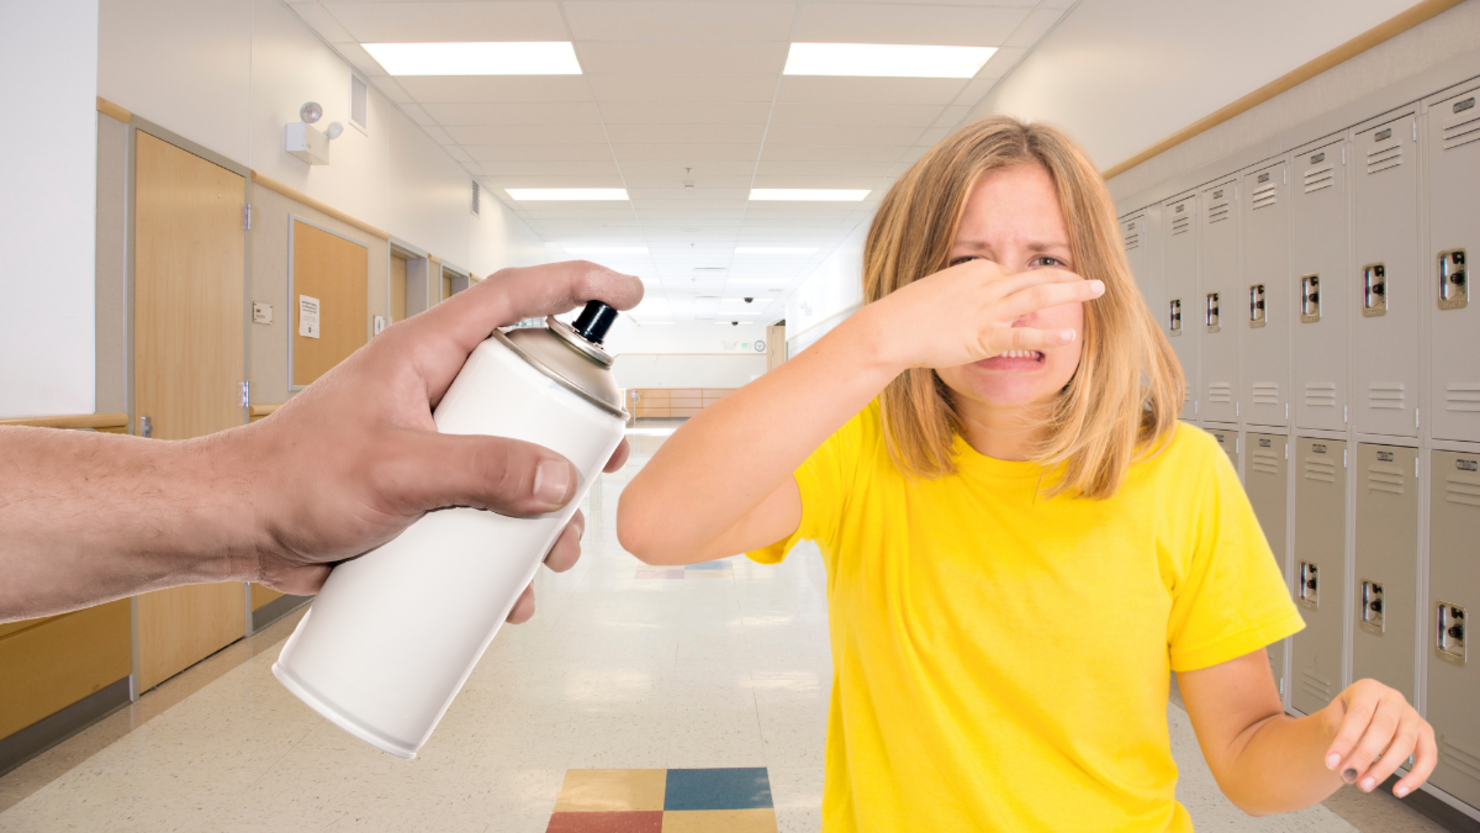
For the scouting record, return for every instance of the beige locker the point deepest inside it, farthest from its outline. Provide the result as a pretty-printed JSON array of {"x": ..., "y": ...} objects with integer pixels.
[
  {"x": 1228, "y": 440},
  {"x": 1266, "y": 484},
  {"x": 1387, "y": 567},
  {"x": 1453, "y": 690},
  {"x": 1320, "y": 553}
]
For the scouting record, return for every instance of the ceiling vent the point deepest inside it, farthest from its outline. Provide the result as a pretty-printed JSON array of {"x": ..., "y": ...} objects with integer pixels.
[{"x": 359, "y": 103}]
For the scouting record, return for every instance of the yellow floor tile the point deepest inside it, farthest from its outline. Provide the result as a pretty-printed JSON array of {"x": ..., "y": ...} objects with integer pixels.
[
  {"x": 720, "y": 821},
  {"x": 595, "y": 790}
]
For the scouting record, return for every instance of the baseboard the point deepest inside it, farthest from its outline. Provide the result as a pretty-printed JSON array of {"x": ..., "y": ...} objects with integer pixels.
[
  {"x": 276, "y": 609},
  {"x": 1436, "y": 809},
  {"x": 49, "y": 731}
]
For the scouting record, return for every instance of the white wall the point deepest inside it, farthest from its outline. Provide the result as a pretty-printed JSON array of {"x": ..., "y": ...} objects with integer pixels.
[
  {"x": 48, "y": 205},
  {"x": 690, "y": 355},
  {"x": 702, "y": 337},
  {"x": 686, "y": 371},
  {"x": 836, "y": 288}
]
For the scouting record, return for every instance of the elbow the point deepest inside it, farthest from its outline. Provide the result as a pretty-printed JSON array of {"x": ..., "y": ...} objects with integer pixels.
[{"x": 637, "y": 532}]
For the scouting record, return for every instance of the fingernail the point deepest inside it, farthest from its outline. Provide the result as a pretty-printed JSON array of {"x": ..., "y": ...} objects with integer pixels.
[
  {"x": 1067, "y": 336},
  {"x": 1349, "y": 776},
  {"x": 1098, "y": 286},
  {"x": 1368, "y": 783},
  {"x": 1332, "y": 760},
  {"x": 551, "y": 482},
  {"x": 1400, "y": 791}
]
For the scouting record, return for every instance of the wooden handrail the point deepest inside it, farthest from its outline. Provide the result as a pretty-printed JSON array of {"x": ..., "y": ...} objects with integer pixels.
[
  {"x": 325, "y": 208},
  {"x": 119, "y": 420},
  {"x": 108, "y": 108},
  {"x": 264, "y": 410}
]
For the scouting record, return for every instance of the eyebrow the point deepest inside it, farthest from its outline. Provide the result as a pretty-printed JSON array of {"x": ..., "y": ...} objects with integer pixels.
[{"x": 1034, "y": 246}]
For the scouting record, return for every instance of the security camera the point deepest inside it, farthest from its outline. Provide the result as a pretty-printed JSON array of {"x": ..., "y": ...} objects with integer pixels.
[
  {"x": 748, "y": 300},
  {"x": 734, "y": 323}
]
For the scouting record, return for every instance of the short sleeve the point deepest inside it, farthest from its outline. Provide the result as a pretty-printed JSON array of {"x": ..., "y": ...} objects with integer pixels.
[
  {"x": 1232, "y": 599},
  {"x": 824, "y": 480}
]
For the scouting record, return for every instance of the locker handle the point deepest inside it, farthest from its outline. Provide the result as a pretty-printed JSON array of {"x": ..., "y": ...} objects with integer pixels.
[{"x": 1454, "y": 289}]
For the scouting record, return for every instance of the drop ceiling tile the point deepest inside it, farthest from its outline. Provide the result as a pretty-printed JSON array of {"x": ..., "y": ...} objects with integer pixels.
[
  {"x": 650, "y": 181},
  {"x": 687, "y": 194},
  {"x": 1002, "y": 62},
  {"x": 360, "y": 59},
  {"x": 894, "y": 23},
  {"x": 623, "y": 57},
  {"x": 952, "y": 116},
  {"x": 650, "y": 87},
  {"x": 432, "y": 22},
  {"x": 391, "y": 90},
  {"x": 874, "y": 114},
  {"x": 697, "y": 134},
  {"x": 776, "y": 168},
  {"x": 681, "y": 205},
  {"x": 516, "y": 112},
  {"x": 685, "y": 112},
  {"x": 665, "y": 167},
  {"x": 499, "y": 153},
  {"x": 939, "y": 91},
  {"x": 1035, "y": 27},
  {"x": 323, "y": 22},
  {"x": 439, "y": 134},
  {"x": 432, "y": 89},
  {"x": 568, "y": 167},
  {"x": 680, "y": 20},
  {"x": 806, "y": 134},
  {"x": 833, "y": 153},
  {"x": 460, "y": 155},
  {"x": 864, "y": 183},
  {"x": 580, "y": 181},
  {"x": 687, "y": 152},
  {"x": 417, "y": 114},
  {"x": 527, "y": 134}
]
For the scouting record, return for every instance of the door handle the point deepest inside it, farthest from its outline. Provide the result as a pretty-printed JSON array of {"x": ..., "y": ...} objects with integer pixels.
[{"x": 146, "y": 427}]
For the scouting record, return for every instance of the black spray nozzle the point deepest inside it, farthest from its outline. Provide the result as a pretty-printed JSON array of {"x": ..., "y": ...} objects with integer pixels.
[{"x": 594, "y": 321}]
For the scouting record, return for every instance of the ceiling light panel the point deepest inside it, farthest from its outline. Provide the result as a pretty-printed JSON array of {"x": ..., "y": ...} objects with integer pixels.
[
  {"x": 580, "y": 194},
  {"x": 885, "y": 60},
  {"x": 538, "y": 58}
]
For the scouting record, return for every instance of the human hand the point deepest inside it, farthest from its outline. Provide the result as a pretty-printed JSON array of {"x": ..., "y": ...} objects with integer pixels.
[
  {"x": 1374, "y": 730},
  {"x": 965, "y": 313},
  {"x": 349, "y": 463}
]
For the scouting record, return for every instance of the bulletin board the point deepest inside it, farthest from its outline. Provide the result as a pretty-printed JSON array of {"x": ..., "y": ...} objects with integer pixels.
[{"x": 328, "y": 294}]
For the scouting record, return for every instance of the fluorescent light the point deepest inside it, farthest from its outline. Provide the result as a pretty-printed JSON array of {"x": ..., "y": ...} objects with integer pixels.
[
  {"x": 586, "y": 194},
  {"x": 606, "y": 250},
  {"x": 546, "y": 58},
  {"x": 809, "y": 194},
  {"x": 885, "y": 60},
  {"x": 775, "y": 250}
]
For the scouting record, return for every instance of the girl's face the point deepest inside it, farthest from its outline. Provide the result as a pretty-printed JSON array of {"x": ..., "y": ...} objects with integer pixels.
[{"x": 1013, "y": 219}]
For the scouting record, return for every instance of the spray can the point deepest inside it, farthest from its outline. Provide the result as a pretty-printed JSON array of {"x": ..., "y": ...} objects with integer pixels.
[{"x": 393, "y": 635}]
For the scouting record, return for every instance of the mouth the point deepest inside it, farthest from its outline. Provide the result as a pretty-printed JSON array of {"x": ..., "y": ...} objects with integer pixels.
[
  {"x": 1022, "y": 354},
  {"x": 1019, "y": 360}
]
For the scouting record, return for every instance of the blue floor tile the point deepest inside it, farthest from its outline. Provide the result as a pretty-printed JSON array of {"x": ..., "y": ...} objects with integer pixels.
[
  {"x": 717, "y": 789},
  {"x": 708, "y": 565}
]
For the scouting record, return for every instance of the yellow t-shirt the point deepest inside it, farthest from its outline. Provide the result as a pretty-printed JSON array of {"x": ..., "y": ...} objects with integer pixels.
[{"x": 1001, "y": 659}]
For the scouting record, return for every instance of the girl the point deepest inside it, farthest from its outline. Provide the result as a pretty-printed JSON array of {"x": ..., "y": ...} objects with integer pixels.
[{"x": 1020, "y": 538}]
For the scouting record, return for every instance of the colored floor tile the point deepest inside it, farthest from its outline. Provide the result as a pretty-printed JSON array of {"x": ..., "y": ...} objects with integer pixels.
[
  {"x": 631, "y": 821},
  {"x": 709, "y": 565},
  {"x": 673, "y": 573},
  {"x": 739, "y": 788},
  {"x": 761, "y": 820},
  {"x": 610, "y": 790}
]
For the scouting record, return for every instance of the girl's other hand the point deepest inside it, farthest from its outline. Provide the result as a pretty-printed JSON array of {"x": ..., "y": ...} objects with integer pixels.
[
  {"x": 966, "y": 313},
  {"x": 1375, "y": 730}
]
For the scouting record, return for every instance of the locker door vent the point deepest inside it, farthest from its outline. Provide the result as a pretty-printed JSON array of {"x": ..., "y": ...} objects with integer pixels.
[
  {"x": 1462, "y": 397},
  {"x": 1462, "y": 490},
  {"x": 1218, "y": 212},
  {"x": 1265, "y": 461},
  {"x": 1132, "y": 241},
  {"x": 1387, "y": 396},
  {"x": 1320, "y": 469},
  {"x": 1464, "y": 127},
  {"x": 1181, "y": 225},
  {"x": 1385, "y": 157},
  {"x": 1220, "y": 392},
  {"x": 1264, "y": 196},
  {"x": 1389, "y": 479},
  {"x": 1320, "y": 394},
  {"x": 1266, "y": 393},
  {"x": 1315, "y": 686},
  {"x": 1320, "y": 177},
  {"x": 1465, "y": 761}
]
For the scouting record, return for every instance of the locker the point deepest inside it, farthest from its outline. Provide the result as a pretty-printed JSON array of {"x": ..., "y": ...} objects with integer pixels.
[
  {"x": 1266, "y": 484},
  {"x": 1453, "y": 689},
  {"x": 1454, "y": 232},
  {"x": 1384, "y": 607},
  {"x": 1181, "y": 316},
  {"x": 1218, "y": 305},
  {"x": 1139, "y": 232},
  {"x": 1384, "y": 277},
  {"x": 1228, "y": 440},
  {"x": 1264, "y": 301},
  {"x": 1319, "y": 294},
  {"x": 1320, "y": 574}
]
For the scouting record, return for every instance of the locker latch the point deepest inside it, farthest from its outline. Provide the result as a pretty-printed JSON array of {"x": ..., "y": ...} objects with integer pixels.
[
  {"x": 1309, "y": 591},
  {"x": 1212, "y": 313},
  {"x": 1256, "y": 305},
  {"x": 1174, "y": 322},
  {"x": 1310, "y": 299},
  {"x": 1374, "y": 289},
  {"x": 1372, "y": 614},
  {"x": 1451, "y": 636},
  {"x": 1454, "y": 291}
]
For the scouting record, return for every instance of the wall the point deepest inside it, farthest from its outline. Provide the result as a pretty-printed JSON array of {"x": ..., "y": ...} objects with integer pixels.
[
  {"x": 112, "y": 342},
  {"x": 688, "y": 371},
  {"x": 829, "y": 295},
  {"x": 1445, "y": 37},
  {"x": 48, "y": 51},
  {"x": 702, "y": 355}
]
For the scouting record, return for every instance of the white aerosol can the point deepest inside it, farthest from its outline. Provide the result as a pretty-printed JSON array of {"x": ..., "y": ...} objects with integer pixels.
[{"x": 393, "y": 635}]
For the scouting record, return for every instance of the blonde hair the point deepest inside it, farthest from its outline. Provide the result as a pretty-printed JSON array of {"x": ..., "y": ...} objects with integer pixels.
[{"x": 1122, "y": 403}]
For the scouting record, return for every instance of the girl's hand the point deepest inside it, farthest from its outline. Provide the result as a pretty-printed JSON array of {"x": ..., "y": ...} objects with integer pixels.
[
  {"x": 1375, "y": 730},
  {"x": 965, "y": 314}
]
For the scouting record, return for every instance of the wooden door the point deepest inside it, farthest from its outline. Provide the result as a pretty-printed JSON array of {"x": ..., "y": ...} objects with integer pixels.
[
  {"x": 398, "y": 288},
  {"x": 334, "y": 272},
  {"x": 775, "y": 346},
  {"x": 188, "y": 363}
]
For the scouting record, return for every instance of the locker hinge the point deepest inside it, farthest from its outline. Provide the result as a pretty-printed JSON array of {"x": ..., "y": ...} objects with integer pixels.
[
  {"x": 247, "y": 217},
  {"x": 1287, "y": 410},
  {"x": 1343, "y": 154},
  {"x": 1235, "y": 412},
  {"x": 246, "y": 394},
  {"x": 1415, "y": 130},
  {"x": 1415, "y": 467},
  {"x": 1345, "y": 416},
  {"x": 1285, "y": 176},
  {"x": 1343, "y": 458},
  {"x": 1287, "y": 451},
  {"x": 1415, "y": 417}
]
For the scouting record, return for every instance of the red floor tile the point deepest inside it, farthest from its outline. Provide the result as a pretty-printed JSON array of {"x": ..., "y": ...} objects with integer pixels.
[{"x": 630, "y": 821}]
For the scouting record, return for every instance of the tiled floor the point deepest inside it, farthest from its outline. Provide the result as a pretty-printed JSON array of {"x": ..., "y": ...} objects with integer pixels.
[
  {"x": 729, "y": 799},
  {"x": 655, "y": 680}
]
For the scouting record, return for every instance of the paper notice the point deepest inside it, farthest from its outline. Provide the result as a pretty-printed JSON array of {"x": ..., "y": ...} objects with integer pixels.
[{"x": 308, "y": 316}]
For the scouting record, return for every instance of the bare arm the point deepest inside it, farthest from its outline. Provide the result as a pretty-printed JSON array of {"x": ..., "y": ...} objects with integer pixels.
[
  {"x": 1266, "y": 761},
  {"x": 722, "y": 484},
  {"x": 341, "y": 469}
]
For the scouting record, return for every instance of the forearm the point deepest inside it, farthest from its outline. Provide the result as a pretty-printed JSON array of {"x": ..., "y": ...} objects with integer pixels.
[
  {"x": 724, "y": 462},
  {"x": 1281, "y": 767},
  {"x": 87, "y": 517}
]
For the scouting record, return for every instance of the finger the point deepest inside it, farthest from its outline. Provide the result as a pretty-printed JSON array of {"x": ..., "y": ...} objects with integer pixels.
[
  {"x": 1041, "y": 296},
  {"x": 421, "y": 471},
  {"x": 1379, "y": 734},
  {"x": 1425, "y": 758},
  {"x": 619, "y": 457},
  {"x": 523, "y": 608},
  {"x": 1358, "y": 714},
  {"x": 567, "y": 548},
  {"x": 1005, "y": 285},
  {"x": 1405, "y": 740},
  {"x": 1001, "y": 339}
]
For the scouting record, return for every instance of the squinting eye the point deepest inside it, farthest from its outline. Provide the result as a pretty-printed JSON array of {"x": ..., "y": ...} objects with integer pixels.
[
  {"x": 1047, "y": 260},
  {"x": 960, "y": 260}
]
